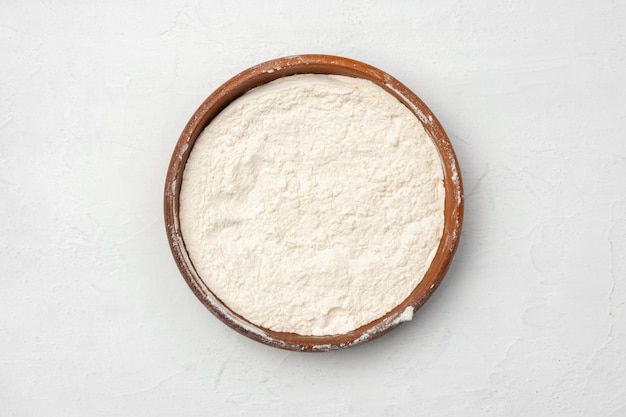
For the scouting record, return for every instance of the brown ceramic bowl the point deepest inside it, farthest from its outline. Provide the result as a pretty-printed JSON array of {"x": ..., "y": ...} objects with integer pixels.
[{"x": 321, "y": 64}]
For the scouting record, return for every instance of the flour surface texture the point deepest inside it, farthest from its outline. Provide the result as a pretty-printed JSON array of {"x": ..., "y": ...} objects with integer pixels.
[{"x": 313, "y": 204}]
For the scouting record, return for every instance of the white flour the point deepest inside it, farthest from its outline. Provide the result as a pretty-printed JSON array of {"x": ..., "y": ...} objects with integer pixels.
[{"x": 313, "y": 204}]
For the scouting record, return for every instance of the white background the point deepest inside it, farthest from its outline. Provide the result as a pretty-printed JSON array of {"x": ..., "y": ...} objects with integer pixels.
[{"x": 95, "y": 319}]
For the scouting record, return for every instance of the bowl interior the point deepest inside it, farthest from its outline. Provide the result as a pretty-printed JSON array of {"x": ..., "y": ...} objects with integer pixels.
[{"x": 320, "y": 64}]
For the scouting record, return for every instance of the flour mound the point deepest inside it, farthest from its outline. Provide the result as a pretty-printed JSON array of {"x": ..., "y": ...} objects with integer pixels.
[{"x": 313, "y": 204}]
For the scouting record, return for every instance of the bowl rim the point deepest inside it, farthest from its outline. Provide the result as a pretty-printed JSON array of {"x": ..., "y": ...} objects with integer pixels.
[{"x": 317, "y": 64}]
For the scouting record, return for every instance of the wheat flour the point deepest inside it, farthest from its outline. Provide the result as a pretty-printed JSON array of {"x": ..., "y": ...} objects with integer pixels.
[{"x": 313, "y": 204}]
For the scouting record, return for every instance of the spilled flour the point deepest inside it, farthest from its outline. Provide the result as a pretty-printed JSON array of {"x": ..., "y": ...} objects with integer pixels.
[{"x": 313, "y": 204}]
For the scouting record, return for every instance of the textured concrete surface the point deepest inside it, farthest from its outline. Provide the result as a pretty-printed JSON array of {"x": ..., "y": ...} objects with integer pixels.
[{"x": 95, "y": 318}]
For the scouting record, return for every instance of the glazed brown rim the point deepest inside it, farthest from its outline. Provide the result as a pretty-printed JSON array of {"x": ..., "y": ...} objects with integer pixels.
[{"x": 319, "y": 64}]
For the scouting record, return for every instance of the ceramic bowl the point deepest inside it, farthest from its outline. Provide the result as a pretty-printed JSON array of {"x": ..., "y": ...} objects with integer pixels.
[{"x": 320, "y": 64}]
